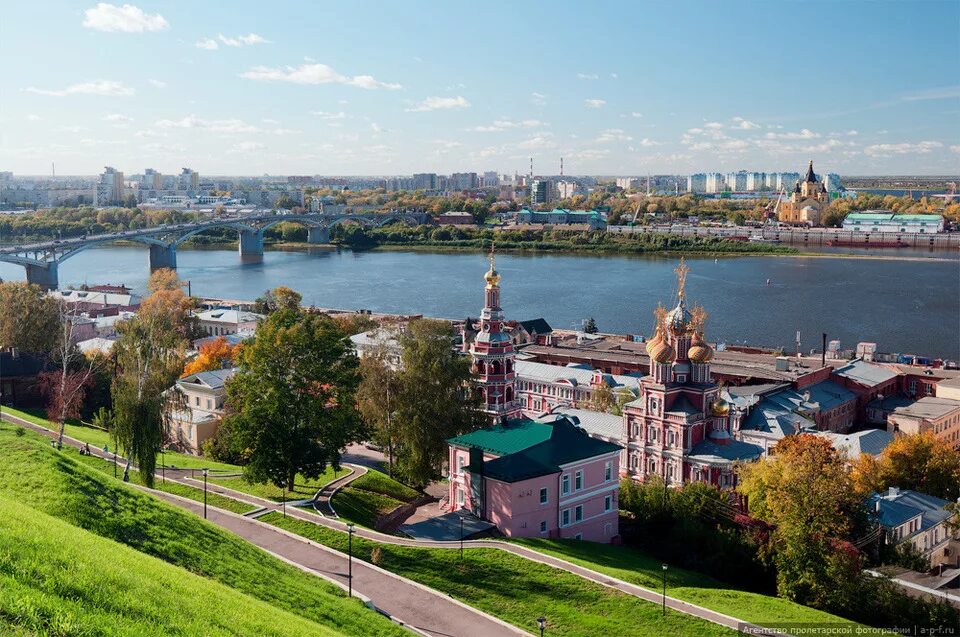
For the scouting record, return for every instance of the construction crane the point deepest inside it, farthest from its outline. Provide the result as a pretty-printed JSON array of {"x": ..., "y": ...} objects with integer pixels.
[{"x": 773, "y": 208}]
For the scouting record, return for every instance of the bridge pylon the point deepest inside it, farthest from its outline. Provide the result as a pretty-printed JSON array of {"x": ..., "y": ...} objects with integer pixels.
[
  {"x": 163, "y": 256},
  {"x": 43, "y": 275},
  {"x": 251, "y": 243},
  {"x": 318, "y": 234}
]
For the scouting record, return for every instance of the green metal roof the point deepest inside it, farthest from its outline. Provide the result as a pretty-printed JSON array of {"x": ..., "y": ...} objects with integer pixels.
[
  {"x": 557, "y": 443},
  {"x": 512, "y": 437},
  {"x": 870, "y": 216},
  {"x": 934, "y": 218}
]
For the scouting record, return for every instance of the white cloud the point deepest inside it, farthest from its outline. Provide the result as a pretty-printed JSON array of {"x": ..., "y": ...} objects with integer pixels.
[
  {"x": 587, "y": 76},
  {"x": 594, "y": 103},
  {"x": 33, "y": 117},
  {"x": 613, "y": 135},
  {"x": 889, "y": 150},
  {"x": 117, "y": 117},
  {"x": 745, "y": 124},
  {"x": 805, "y": 133},
  {"x": 243, "y": 40},
  {"x": 328, "y": 115},
  {"x": 505, "y": 124},
  {"x": 713, "y": 125},
  {"x": 955, "y": 148},
  {"x": 267, "y": 120},
  {"x": 98, "y": 87},
  {"x": 247, "y": 147},
  {"x": 636, "y": 114},
  {"x": 440, "y": 103},
  {"x": 852, "y": 133},
  {"x": 614, "y": 76},
  {"x": 208, "y": 44},
  {"x": 647, "y": 142},
  {"x": 158, "y": 83},
  {"x": 216, "y": 125},
  {"x": 539, "y": 98},
  {"x": 313, "y": 74},
  {"x": 375, "y": 127},
  {"x": 945, "y": 92},
  {"x": 534, "y": 143},
  {"x": 590, "y": 154},
  {"x": 125, "y": 19}
]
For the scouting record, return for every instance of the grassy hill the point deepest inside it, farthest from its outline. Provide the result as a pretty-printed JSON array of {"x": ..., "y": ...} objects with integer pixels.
[
  {"x": 54, "y": 483},
  {"x": 372, "y": 495},
  {"x": 60, "y": 580}
]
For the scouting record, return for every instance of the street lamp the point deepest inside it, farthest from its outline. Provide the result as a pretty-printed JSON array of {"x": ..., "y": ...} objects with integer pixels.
[
  {"x": 350, "y": 559},
  {"x": 664, "y": 567},
  {"x": 205, "y": 494},
  {"x": 163, "y": 466},
  {"x": 542, "y": 623},
  {"x": 114, "y": 464},
  {"x": 461, "y": 534},
  {"x": 283, "y": 499}
]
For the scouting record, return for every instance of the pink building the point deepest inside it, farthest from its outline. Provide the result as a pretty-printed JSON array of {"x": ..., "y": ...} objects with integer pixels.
[{"x": 545, "y": 478}]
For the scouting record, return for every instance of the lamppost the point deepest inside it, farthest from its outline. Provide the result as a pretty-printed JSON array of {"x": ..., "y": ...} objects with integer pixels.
[
  {"x": 664, "y": 567},
  {"x": 461, "y": 533},
  {"x": 542, "y": 623},
  {"x": 350, "y": 559},
  {"x": 204, "y": 494},
  {"x": 163, "y": 466},
  {"x": 283, "y": 499},
  {"x": 114, "y": 464}
]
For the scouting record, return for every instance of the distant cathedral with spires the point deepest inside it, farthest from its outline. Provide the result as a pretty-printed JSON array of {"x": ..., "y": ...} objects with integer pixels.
[{"x": 807, "y": 203}]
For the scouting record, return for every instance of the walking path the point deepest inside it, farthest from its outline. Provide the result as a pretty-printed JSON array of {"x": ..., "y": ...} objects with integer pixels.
[
  {"x": 594, "y": 576},
  {"x": 323, "y": 500}
]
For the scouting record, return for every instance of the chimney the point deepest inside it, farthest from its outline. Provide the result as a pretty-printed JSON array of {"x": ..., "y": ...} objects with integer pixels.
[
  {"x": 893, "y": 492},
  {"x": 823, "y": 356}
]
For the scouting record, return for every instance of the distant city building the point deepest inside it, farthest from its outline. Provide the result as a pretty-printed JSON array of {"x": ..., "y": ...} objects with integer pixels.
[
  {"x": 561, "y": 216},
  {"x": 151, "y": 179},
  {"x": 787, "y": 181},
  {"x": 888, "y": 221},
  {"x": 756, "y": 182},
  {"x": 463, "y": 181},
  {"x": 716, "y": 182},
  {"x": 567, "y": 189},
  {"x": 541, "y": 192},
  {"x": 425, "y": 181},
  {"x": 456, "y": 218},
  {"x": 629, "y": 183},
  {"x": 110, "y": 187},
  {"x": 737, "y": 182},
  {"x": 697, "y": 183},
  {"x": 807, "y": 203},
  {"x": 490, "y": 179},
  {"x": 188, "y": 180},
  {"x": 832, "y": 182}
]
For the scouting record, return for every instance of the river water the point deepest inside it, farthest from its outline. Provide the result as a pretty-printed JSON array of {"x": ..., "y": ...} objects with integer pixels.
[{"x": 907, "y": 306}]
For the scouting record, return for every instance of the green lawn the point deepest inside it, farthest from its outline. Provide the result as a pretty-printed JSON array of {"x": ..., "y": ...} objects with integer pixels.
[
  {"x": 517, "y": 590},
  {"x": 636, "y": 567},
  {"x": 56, "y": 579},
  {"x": 363, "y": 507},
  {"x": 303, "y": 487},
  {"x": 372, "y": 495},
  {"x": 54, "y": 483},
  {"x": 98, "y": 438}
]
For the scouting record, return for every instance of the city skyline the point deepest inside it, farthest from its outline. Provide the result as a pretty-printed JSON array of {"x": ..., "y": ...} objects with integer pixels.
[{"x": 166, "y": 85}]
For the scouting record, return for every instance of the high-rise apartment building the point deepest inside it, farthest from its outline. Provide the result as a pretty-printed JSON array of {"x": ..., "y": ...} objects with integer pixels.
[
  {"x": 188, "y": 180},
  {"x": 697, "y": 183},
  {"x": 737, "y": 182},
  {"x": 832, "y": 182},
  {"x": 110, "y": 187},
  {"x": 152, "y": 180},
  {"x": 541, "y": 191},
  {"x": 716, "y": 182},
  {"x": 490, "y": 179},
  {"x": 425, "y": 181},
  {"x": 567, "y": 189},
  {"x": 463, "y": 181}
]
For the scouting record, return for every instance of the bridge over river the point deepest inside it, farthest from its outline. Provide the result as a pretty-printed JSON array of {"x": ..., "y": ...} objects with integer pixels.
[{"x": 42, "y": 260}]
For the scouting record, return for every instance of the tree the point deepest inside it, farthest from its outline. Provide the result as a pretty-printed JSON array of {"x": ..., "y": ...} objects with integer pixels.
[
  {"x": 435, "y": 402},
  {"x": 150, "y": 354},
  {"x": 602, "y": 398},
  {"x": 163, "y": 279},
  {"x": 590, "y": 326},
  {"x": 919, "y": 462},
  {"x": 377, "y": 398},
  {"x": 277, "y": 298},
  {"x": 804, "y": 490},
  {"x": 212, "y": 355},
  {"x": 292, "y": 402},
  {"x": 29, "y": 318}
]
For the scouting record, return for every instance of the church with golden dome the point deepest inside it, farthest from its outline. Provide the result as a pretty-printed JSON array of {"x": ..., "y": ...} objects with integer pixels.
[
  {"x": 807, "y": 203},
  {"x": 679, "y": 428}
]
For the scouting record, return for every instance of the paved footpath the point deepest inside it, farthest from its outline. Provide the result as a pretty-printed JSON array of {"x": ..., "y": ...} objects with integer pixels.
[{"x": 586, "y": 573}]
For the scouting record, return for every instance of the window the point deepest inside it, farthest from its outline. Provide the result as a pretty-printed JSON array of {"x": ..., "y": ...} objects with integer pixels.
[
  {"x": 565, "y": 484},
  {"x": 543, "y": 495},
  {"x": 196, "y": 401},
  {"x": 208, "y": 403},
  {"x": 578, "y": 481},
  {"x": 565, "y": 517},
  {"x": 460, "y": 497},
  {"x": 608, "y": 472},
  {"x": 578, "y": 513},
  {"x": 543, "y": 526},
  {"x": 607, "y": 503},
  {"x": 459, "y": 463},
  {"x": 578, "y": 536}
]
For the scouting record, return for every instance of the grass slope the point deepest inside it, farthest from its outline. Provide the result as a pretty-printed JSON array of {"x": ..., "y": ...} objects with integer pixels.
[
  {"x": 55, "y": 483},
  {"x": 372, "y": 495},
  {"x": 304, "y": 488},
  {"x": 639, "y": 568},
  {"x": 98, "y": 438},
  {"x": 515, "y": 589},
  {"x": 59, "y": 580}
]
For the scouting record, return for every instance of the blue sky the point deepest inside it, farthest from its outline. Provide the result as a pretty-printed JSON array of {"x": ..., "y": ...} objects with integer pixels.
[{"x": 399, "y": 87}]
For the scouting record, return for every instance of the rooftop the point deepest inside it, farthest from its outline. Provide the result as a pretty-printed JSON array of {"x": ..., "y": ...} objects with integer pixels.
[
  {"x": 895, "y": 506},
  {"x": 865, "y": 373},
  {"x": 228, "y": 316},
  {"x": 928, "y": 407},
  {"x": 214, "y": 379},
  {"x": 574, "y": 376},
  {"x": 869, "y": 441},
  {"x": 734, "y": 451},
  {"x": 596, "y": 423},
  {"x": 503, "y": 439}
]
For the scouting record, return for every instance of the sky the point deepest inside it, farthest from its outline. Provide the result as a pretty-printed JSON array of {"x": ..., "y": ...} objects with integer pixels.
[{"x": 383, "y": 88}]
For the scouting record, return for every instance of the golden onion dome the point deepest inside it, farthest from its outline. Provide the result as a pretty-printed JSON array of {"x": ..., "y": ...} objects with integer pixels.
[
  {"x": 699, "y": 351},
  {"x": 654, "y": 342},
  {"x": 492, "y": 277},
  {"x": 663, "y": 352},
  {"x": 719, "y": 407}
]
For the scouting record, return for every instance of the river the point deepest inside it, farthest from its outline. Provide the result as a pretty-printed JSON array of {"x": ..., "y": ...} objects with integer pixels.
[{"x": 902, "y": 305}]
